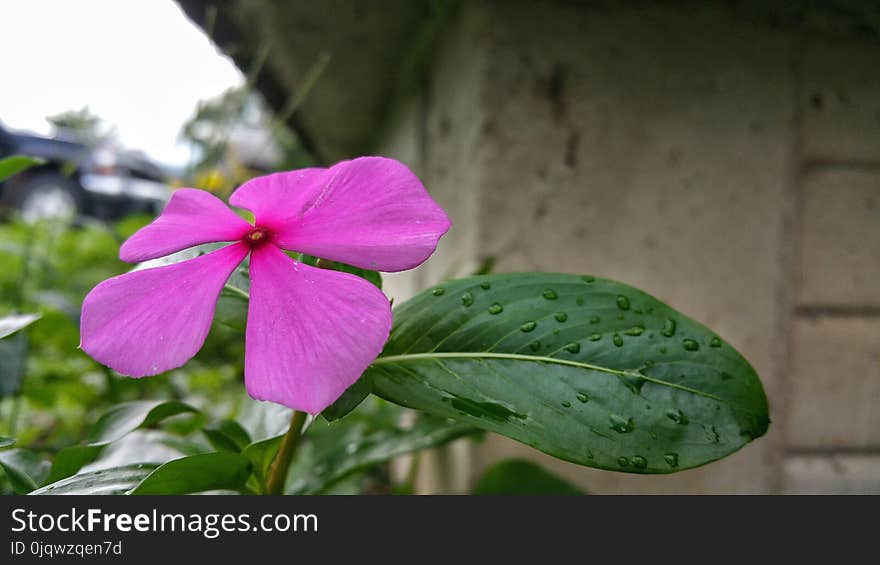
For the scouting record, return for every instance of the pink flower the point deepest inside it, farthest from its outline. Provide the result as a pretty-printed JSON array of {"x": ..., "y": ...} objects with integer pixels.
[{"x": 310, "y": 332}]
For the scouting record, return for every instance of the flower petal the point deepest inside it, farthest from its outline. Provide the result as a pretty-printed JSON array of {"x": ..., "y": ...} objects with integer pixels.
[
  {"x": 147, "y": 322},
  {"x": 280, "y": 198},
  {"x": 192, "y": 217},
  {"x": 311, "y": 332},
  {"x": 370, "y": 212}
]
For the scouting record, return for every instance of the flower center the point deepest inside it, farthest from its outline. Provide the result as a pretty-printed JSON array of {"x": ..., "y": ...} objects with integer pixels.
[{"x": 257, "y": 236}]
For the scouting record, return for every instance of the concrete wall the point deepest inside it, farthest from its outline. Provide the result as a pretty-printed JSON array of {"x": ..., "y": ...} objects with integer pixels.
[{"x": 731, "y": 169}]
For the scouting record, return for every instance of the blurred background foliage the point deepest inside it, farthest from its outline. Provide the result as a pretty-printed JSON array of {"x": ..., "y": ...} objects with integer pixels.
[
  {"x": 48, "y": 268},
  {"x": 234, "y": 137},
  {"x": 53, "y": 394},
  {"x": 83, "y": 125}
]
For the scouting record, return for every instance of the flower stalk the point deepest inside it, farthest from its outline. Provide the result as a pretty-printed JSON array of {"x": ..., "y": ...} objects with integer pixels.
[{"x": 286, "y": 453}]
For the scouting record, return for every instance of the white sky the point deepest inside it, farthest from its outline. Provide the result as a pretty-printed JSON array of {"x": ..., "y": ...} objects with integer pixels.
[{"x": 141, "y": 65}]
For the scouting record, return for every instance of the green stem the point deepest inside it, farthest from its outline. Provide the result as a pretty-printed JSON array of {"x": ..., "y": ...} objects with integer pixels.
[{"x": 286, "y": 453}]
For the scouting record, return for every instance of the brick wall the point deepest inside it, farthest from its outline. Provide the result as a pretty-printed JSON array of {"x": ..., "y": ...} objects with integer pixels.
[
  {"x": 731, "y": 169},
  {"x": 832, "y": 419}
]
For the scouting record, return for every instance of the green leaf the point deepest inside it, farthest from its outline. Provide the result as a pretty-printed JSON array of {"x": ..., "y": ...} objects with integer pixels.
[
  {"x": 145, "y": 446},
  {"x": 261, "y": 454},
  {"x": 232, "y": 310},
  {"x": 25, "y": 469},
  {"x": 129, "y": 416},
  {"x": 264, "y": 420},
  {"x": 227, "y": 435},
  {"x": 350, "y": 399},
  {"x": 11, "y": 324},
  {"x": 232, "y": 307},
  {"x": 361, "y": 450},
  {"x": 17, "y": 163},
  {"x": 6, "y": 441},
  {"x": 118, "y": 480},
  {"x": 114, "y": 424},
  {"x": 198, "y": 473},
  {"x": 588, "y": 370},
  {"x": 372, "y": 277},
  {"x": 71, "y": 459},
  {"x": 521, "y": 477},
  {"x": 13, "y": 362}
]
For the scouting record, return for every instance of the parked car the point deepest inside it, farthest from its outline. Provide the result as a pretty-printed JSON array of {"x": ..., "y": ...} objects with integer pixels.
[{"x": 77, "y": 179}]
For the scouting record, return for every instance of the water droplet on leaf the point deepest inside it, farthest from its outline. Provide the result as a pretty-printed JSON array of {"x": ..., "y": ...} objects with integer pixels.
[
  {"x": 595, "y": 337},
  {"x": 573, "y": 347},
  {"x": 496, "y": 309},
  {"x": 668, "y": 328},
  {"x": 632, "y": 382},
  {"x": 561, "y": 317},
  {"x": 713, "y": 435},
  {"x": 618, "y": 341},
  {"x": 467, "y": 299},
  {"x": 550, "y": 294},
  {"x": 583, "y": 397},
  {"x": 622, "y": 302},
  {"x": 635, "y": 330},
  {"x": 715, "y": 342},
  {"x": 485, "y": 285},
  {"x": 671, "y": 459},
  {"x": 678, "y": 417},
  {"x": 690, "y": 345},
  {"x": 639, "y": 462},
  {"x": 620, "y": 424},
  {"x": 528, "y": 326},
  {"x": 438, "y": 292}
]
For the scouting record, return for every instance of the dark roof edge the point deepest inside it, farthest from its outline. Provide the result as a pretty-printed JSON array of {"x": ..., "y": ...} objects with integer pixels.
[{"x": 225, "y": 34}]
